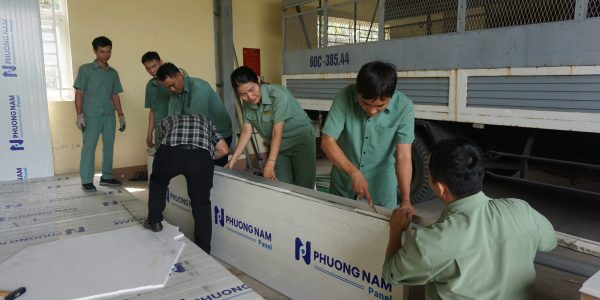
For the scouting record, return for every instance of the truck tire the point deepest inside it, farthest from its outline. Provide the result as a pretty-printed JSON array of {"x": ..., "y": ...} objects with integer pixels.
[{"x": 419, "y": 185}]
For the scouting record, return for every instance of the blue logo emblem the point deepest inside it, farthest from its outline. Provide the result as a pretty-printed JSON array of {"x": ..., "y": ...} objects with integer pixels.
[
  {"x": 219, "y": 216},
  {"x": 9, "y": 71},
  {"x": 16, "y": 145},
  {"x": 178, "y": 268},
  {"x": 9, "y": 64},
  {"x": 302, "y": 251}
]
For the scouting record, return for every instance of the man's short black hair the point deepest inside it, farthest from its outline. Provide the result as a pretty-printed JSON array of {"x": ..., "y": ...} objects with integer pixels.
[
  {"x": 101, "y": 41},
  {"x": 167, "y": 70},
  {"x": 376, "y": 80},
  {"x": 150, "y": 56},
  {"x": 458, "y": 163}
]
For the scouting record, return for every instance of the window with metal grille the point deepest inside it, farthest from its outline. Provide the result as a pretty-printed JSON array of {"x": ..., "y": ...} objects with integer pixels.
[
  {"x": 57, "y": 53},
  {"x": 342, "y": 31},
  {"x": 484, "y": 14}
]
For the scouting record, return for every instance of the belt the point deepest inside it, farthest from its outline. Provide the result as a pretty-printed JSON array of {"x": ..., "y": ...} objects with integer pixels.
[{"x": 188, "y": 147}]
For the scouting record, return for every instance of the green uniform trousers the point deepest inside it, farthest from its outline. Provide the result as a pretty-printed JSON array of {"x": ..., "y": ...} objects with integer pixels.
[
  {"x": 94, "y": 126},
  {"x": 296, "y": 164}
]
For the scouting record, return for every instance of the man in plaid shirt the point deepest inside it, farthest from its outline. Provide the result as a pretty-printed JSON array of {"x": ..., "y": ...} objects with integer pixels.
[{"x": 188, "y": 146}]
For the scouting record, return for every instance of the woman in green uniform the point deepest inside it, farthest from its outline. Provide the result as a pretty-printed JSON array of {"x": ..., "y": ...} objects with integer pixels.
[{"x": 282, "y": 123}]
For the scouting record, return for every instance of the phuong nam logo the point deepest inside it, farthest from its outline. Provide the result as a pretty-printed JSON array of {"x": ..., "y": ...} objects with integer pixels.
[
  {"x": 22, "y": 173},
  {"x": 342, "y": 270},
  {"x": 9, "y": 65},
  {"x": 179, "y": 201},
  {"x": 302, "y": 251},
  {"x": 243, "y": 229},
  {"x": 227, "y": 293},
  {"x": 219, "y": 216},
  {"x": 16, "y": 130}
]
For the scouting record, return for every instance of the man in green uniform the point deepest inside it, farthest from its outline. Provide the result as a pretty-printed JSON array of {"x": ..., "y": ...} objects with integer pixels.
[
  {"x": 368, "y": 137},
  {"x": 194, "y": 95},
  {"x": 97, "y": 89},
  {"x": 480, "y": 248},
  {"x": 157, "y": 98}
]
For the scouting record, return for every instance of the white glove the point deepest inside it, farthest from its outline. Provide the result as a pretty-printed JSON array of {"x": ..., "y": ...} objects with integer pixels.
[
  {"x": 80, "y": 122},
  {"x": 122, "y": 123}
]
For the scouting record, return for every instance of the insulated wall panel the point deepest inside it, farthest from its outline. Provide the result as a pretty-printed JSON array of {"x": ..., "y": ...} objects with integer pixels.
[
  {"x": 25, "y": 147},
  {"x": 305, "y": 244}
]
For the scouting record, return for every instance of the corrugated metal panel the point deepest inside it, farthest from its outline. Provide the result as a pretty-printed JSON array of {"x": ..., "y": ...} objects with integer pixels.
[
  {"x": 578, "y": 93},
  {"x": 422, "y": 90},
  {"x": 425, "y": 90},
  {"x": 319, "y": 89}
]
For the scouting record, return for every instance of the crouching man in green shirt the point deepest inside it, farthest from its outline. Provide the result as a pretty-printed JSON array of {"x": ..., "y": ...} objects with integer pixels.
[
  {"x": 480, "y": 248},
  {"x": 368, "y": 137},
  {"x": 190, "y": 95}
]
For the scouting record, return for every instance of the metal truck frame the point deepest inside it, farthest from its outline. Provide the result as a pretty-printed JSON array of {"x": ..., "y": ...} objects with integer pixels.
[{"x": 521, "y": 78}]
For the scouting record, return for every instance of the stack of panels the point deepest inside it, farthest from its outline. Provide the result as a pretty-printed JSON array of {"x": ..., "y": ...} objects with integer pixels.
[{"x": 49, "y": 209}]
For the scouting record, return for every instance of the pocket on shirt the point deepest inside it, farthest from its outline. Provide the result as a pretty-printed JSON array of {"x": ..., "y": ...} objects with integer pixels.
[
  {"x": 383, "y": 135},
  {"x": 384, "y": 129},
  {"x": 267, "y": 118}
]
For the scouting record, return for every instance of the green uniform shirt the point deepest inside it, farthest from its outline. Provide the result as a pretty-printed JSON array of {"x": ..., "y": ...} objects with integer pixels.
[
  {"x": 277, "y": 105},
  {"x": 480, "y": 248},
  {"x": 369, "y": 143},
  {"x": 157, "y": 99},
  {"x": 98, "y": 85},
  {"x": 199, "y": 97}
]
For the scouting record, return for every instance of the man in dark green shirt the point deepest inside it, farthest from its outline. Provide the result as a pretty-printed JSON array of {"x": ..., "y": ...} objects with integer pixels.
[
  {"x": 194, "y": 95},
  {"x": 480, "y": 248}
]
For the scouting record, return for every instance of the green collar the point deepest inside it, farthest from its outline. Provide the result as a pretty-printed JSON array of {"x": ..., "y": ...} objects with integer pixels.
[
  {"x": 464, "y": 204},
  {"x": 96, "y": 65},
  {"x": 186, "y": 84}
]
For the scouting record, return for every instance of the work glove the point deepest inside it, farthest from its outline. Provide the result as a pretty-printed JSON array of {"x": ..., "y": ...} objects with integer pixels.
[
  {"x": 122, "y": 123},
  {"x": 80, "y": 122}
]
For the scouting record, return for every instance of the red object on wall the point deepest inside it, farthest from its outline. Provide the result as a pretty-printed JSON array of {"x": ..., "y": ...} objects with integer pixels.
[{"x": 252, "y": 59}]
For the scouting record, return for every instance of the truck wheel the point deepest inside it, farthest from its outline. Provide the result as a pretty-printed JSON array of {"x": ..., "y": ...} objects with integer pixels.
[{"x": 419, "y": 185}]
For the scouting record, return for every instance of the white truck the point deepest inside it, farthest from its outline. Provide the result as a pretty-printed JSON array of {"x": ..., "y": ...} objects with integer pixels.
[{"x": 521, "y": 78}]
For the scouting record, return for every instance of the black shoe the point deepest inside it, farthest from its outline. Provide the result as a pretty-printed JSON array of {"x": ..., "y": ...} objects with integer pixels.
[
  {"x": 156, "y": 227},
  {"x": 88, "y": 187},
  {"x": 110, "y": 182}
]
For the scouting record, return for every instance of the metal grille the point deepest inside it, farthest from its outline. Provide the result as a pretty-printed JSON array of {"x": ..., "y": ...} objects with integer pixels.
[
  {"x": 418, "y": 18},
  {"x": 310, "y": 25},
  {"x": 352, "y": 22},
  {"x": 483, "y": 14},
  {"x": 302, "y": 31},
  {"x": 593, "y": 9}
]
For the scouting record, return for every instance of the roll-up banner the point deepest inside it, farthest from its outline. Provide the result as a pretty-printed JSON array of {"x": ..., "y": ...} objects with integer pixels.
[{"x": 25, "y": 147}]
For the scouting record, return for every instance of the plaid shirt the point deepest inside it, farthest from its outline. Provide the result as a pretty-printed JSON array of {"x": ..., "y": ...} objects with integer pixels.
[{"x": 193, "y": 130}]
